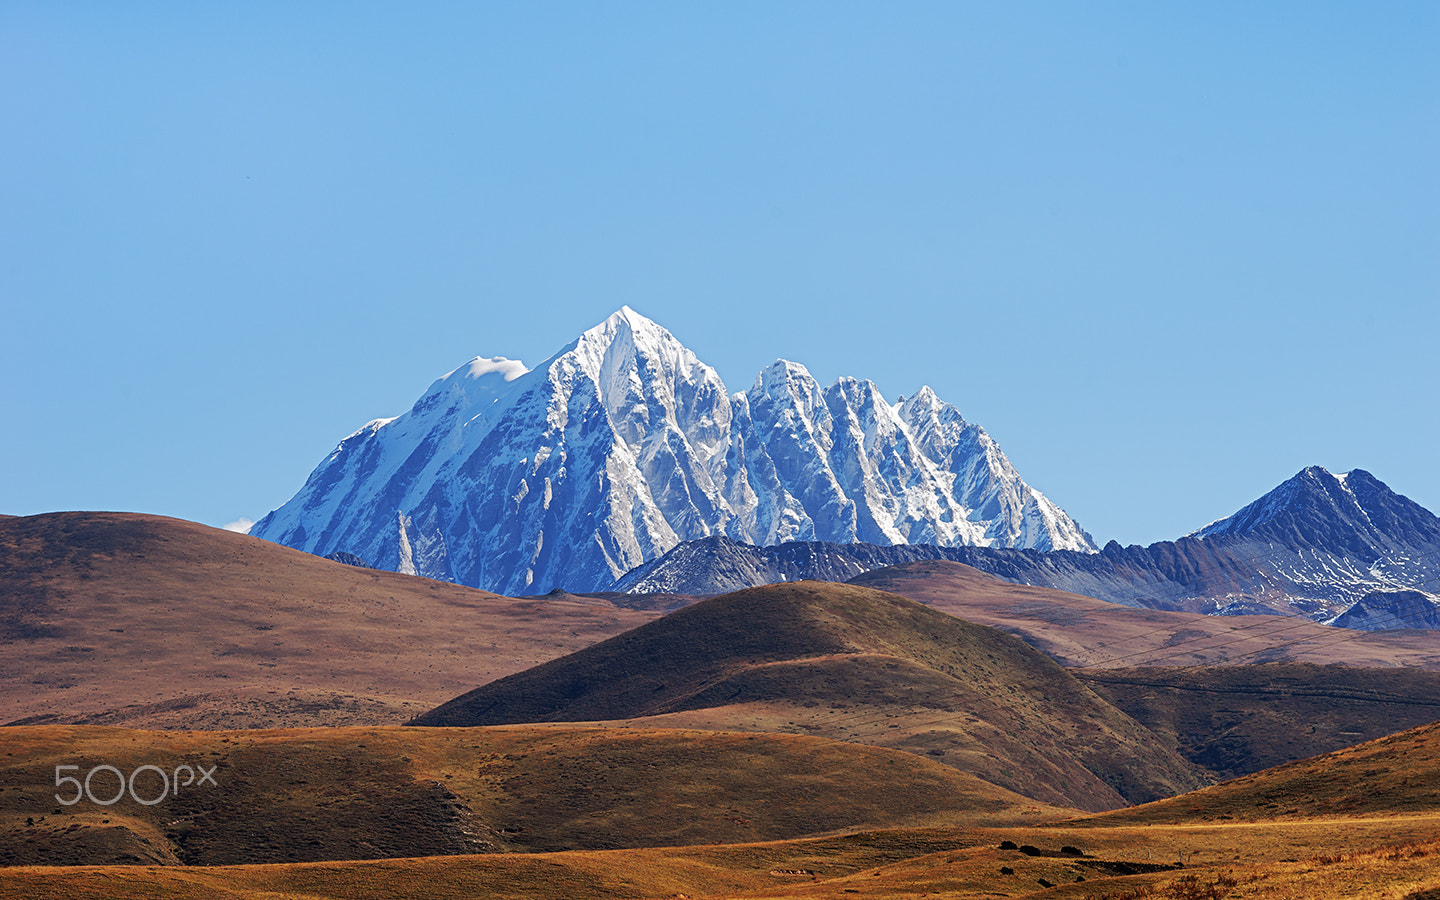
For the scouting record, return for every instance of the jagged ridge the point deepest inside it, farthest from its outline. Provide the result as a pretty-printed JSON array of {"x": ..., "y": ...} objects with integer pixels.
[
  {"x": 1315, "y": 546},
  {"x": 624, "y": 444}
]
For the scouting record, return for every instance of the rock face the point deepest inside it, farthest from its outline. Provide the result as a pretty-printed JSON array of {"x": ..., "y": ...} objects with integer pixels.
[
  {"x": 1386, "y": 610},
  {"x": 348, "y": 559},
  {"x": 1316, "y": 546},
  {"x": 624, "y": 444}
]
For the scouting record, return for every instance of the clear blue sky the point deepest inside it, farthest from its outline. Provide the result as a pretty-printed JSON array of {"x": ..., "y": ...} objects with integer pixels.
[{"x": 1167, "y": 254}]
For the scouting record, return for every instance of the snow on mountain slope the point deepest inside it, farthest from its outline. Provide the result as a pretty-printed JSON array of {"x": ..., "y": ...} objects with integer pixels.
[
  {"x": 984, "y": 481},
  {"x": 1353, "y": 510},
  {"x": 624, "y": 444},
  {"x": 1340, "y": 549}
]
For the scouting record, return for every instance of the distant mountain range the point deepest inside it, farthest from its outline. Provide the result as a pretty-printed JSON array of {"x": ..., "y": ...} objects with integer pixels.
[
  {"x": 624, "y": 445},
  {"x": 623, "y": 463},
  {"x": 1341, "y": 549}
]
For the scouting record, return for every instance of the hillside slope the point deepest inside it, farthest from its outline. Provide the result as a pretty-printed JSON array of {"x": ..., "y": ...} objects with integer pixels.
[
  {"x": 304, "y": 795},
  {"x": 856, "y": 664},
  {"x": 1397, "y": 775},
  {"x": 1237, "y": 720},
  {"x": 119, "y": 618}
]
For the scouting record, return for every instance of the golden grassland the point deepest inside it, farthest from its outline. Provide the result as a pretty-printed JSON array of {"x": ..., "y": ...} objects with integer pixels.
[
  {"x": 800, "y": 741},
  {"x": 298, "y": 795},
  {"x": 1324, "y": 828},
  {"x": 1391, "y": 857}
]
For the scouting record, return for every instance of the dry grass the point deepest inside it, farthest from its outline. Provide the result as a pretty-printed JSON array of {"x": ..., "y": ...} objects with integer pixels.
[
  {"x": 853, "y": 664},
  {"x": 366, "y": 793},
  {"x": 1389, "y": 858},
  {"x": 1395, "y": 775}
]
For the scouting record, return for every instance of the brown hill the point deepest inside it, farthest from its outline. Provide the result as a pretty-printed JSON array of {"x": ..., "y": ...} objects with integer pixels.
[
  {"x": 1236, "y": 720},
  {"x": 855, "y": 664},
  {"x": 298, "y": 795},
  {"x": 117, "y": 618},
  {"x": 1082, "y": 631},
  {"x": 1397, "y": 775}
]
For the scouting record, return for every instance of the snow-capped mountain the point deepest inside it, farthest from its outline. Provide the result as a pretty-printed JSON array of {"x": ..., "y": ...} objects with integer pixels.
[
  {"x": 1353, "y": 511},
  {"x": 624, "y": 444},
  {"x": 1342, "y": 549},
  {"x": 1328, "y": 541}
]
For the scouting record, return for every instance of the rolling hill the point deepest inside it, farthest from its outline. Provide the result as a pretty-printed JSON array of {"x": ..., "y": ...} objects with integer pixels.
[
  {"x": 855, "y": 664},
  {"x": 1227, "y": 717},
  {"x": 307, "y": 795},
  {"x": 119, "y": 618}
]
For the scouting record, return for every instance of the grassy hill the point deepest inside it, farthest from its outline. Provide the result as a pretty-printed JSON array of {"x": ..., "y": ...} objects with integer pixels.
[
  {"x": 303, "y": 795},
  {"x": 118, "y": 618},
  {"x": 855, "y": 664},
  {"x": 1361, "y": 822}
]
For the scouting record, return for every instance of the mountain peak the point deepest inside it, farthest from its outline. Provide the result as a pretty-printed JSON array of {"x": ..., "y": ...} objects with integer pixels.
[
  {"x": 783, "y": 371},
  {"x": 507, "y": 369},
  {"x": 925, "y": 397},
  {"x": 622, "y": 445},
  {"x": 1307, "y": 485},
  {"x": 628, "y": 320},
  {"x": 626, "y": 324},
  {"x": 788, "y": 388},
  {"x": 1353, "y": 510}
]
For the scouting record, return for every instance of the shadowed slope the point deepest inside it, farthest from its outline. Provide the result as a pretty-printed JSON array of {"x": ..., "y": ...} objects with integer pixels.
[
  {"x": 1396, "y": 775},
  {"x": 118, "y": 618},
  {"x": 1235, "y": 720},
  {"x": 851, "y": 663}
]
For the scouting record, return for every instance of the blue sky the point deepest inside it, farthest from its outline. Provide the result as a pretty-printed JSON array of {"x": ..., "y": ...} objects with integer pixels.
[{"x": 1166, "y": 254}]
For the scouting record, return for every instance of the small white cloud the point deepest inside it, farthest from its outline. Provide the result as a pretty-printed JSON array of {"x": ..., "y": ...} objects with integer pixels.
[{"x": 240, "y": 526}]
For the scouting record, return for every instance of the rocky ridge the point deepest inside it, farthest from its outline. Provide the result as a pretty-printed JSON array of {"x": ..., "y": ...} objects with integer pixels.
[{"x": 624, "y": 444}]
